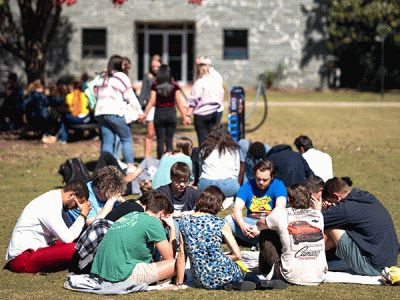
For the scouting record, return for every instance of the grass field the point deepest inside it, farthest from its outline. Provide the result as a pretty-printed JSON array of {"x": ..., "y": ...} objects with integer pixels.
[{"x": 364, "y": 143}]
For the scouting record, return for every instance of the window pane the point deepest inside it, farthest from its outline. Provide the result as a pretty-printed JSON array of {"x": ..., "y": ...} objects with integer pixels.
[
  {"x": 94, "y": 42},
  {"x": 235, "y": 44}
]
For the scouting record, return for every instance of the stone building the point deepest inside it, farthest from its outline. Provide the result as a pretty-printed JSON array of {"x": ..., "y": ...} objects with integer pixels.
[{"x": 243, "y": 38}]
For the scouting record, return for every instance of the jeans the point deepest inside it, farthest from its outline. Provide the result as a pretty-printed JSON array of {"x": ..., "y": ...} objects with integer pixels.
[
  {"x": 204, "y": 124},
  {"x": 164, "y": 125},
  {"x": 237, "y": 232},
  {"x": 112, "y": 125},
  {"x": 229, "y": 186},
  {"x": 67, "y": 121}
]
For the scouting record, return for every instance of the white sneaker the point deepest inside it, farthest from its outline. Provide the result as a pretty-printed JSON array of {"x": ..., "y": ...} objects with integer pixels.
[
  {"x": 130, "y": 170},
  {"x": 122, "y": 165}
]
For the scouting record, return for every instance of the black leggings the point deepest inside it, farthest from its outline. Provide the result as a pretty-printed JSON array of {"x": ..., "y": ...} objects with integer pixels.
[
  {"x": 204, "y": 124},
  {"x": 164, "y": 125}
]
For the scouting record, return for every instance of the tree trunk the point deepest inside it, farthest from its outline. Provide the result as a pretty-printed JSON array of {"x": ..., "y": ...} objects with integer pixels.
[{"x": 35, "y": 61}]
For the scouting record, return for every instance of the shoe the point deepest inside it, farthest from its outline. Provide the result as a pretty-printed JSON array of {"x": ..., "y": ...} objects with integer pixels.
[
  {"x": 244, "y": 286},
  {"x": 130, "y": 170},
  {"x": 391, "y": 276},
  {"x": 254, "y": 248},
  {"x": 274, "y": 284},
  {"x": 122, "y": 165},
  {"x": 62, "y": 142}
]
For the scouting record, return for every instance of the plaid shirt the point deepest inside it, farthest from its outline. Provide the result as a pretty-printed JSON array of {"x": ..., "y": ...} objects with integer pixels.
[{"x": 89, "y": 241}]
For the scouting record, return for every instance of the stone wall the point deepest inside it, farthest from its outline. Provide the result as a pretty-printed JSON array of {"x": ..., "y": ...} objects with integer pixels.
[{"x": 278, "y": 31}]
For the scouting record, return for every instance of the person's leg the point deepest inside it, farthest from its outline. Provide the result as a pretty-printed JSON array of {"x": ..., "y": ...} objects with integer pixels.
[
  {"x": 270, "y": 253},
  {"x": 196, "y": 165},
  {"x": 107, "y": 159},
  {"x": 49, "y": 259},
  {"x": 170, "y": 127},
  {"x": 348, "y": 251},
  {"x": 150, "y": 133},
  {"x": 125, "y": 134},
  {"x": 153, "y": 272},
  {"x": 237, "y": 232},
  {"x": 160, "y": 135},
  {"x": 107, "y": 134},
  {"x": 200, "y": 125},
  {"x": 148, "y": 141}
]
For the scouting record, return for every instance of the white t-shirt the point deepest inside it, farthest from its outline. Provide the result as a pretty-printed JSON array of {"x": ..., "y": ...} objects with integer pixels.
[
  {"x": 320, "y": 163},
  {"x": 301, "y": 232},
  {"x": 222, "y": 166},
  {"x": 40, "y": 223}
]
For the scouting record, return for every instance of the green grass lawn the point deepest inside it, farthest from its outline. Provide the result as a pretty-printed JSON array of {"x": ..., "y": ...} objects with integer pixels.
[{"x": 364, "y": 143}]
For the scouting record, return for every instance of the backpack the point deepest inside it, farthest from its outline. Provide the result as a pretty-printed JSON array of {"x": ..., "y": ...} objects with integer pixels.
[
  {"x": 91, "y": 92},
  {"x": 74, "y": 169}
]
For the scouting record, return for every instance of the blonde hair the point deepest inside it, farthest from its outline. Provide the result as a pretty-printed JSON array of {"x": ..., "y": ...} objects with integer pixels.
[{"x": 201, "y": 70}]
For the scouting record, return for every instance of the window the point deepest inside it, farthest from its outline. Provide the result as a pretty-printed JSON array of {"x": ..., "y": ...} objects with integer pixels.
[
  {"x": 235, "y": 44},
  {"x": 94, "y": 42}
]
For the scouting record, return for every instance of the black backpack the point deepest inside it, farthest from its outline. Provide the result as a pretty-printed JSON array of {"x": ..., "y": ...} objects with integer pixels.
[{"x": 74, "y": 169}]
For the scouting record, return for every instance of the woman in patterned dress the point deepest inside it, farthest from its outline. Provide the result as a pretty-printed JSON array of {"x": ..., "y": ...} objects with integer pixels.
[{"x": 201, "y": 236}]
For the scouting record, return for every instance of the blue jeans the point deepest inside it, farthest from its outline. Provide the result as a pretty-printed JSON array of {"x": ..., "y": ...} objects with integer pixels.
[
  {"x": 229, "y": 186},
  {"x": 112, "y": 125},
  {"x": 237, "y": 232},
  {"x": 69, "y": 120}
]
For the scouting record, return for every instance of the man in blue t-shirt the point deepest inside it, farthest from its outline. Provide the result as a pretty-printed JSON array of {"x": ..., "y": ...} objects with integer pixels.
[
  {"x": 260, "y": 195},
  {"x": 105, "y": 192}
]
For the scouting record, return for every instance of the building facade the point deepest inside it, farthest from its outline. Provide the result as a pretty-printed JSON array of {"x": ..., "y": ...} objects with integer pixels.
[{"x": 243, "y": 38}]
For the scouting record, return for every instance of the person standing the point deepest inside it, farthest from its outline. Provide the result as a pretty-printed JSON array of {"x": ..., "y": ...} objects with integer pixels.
[
  {"x": 164, "y": 94},
  {"x": 205, "y": 100},
  {"x": 115, "y": 92},
  {"x": 144, "y": 98}
]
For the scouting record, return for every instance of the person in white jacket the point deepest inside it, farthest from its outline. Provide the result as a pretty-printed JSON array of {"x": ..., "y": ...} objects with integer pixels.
[
  {"x": 114, "y": 95},
  {"x": 41, "y": 240}
]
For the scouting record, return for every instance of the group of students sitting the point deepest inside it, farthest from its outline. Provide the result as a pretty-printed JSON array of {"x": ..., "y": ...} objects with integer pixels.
[{"x": 91, "y": 228}]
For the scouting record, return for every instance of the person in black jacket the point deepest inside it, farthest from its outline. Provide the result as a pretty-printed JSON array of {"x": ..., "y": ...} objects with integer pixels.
[
  {"x": 291, "y": 167},
  {"x": 360, "y": 227}
]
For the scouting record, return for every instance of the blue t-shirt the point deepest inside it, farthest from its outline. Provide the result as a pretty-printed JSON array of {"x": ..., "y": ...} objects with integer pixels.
[
  {"x": 96, "y": 205},
  {"x": 254, "y": 198}
]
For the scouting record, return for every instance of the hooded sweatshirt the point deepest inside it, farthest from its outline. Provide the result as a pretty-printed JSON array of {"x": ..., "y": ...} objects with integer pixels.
[
  {"x": 368, "y": 224},
  {"x": 291, "y": 166}
]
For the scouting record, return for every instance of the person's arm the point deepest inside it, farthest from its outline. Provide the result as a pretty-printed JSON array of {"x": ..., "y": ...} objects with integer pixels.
[
  {"x": 165, "y": 249},
  {"x": 180, "y": 265},
  {"x": 57, "y": 226},
  {"x": 262, "y": 224},
  {"x": 237, "y": 215},
  {"x": 106, "y": 209},
  {"x": 132, "y": 176},
  {"x": 241, "y": 172},
  {"x": 235, "y": 253},
  {"x": 152, "y": 102},
  {"x": 172, "y": 232},
  {"x": 182, "y": 107}
]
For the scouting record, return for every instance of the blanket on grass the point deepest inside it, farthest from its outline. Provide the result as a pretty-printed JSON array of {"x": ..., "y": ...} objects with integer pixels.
[{"x": 339, "y": 272}]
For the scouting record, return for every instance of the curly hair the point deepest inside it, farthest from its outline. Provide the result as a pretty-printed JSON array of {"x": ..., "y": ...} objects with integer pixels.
[
  {"x": 219, "y": 138},
  {"x": 110, "y": 181}
]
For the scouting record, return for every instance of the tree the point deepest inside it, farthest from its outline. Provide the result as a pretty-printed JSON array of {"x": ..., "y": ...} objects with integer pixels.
[
  {"x": 28, "y": 36},
  {"x": 354, "y": 28}
]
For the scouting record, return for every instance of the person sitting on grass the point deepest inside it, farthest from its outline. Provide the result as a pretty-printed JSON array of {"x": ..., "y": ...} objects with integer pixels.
[
  {"x": 106, "y": 190},
  {"x": 126, "y": 249},
  {"x": 360, "y": 227},
  {"x": 32, "y": 248},
  {"x": 296, "y": 252},
  {"x": 201, "y": 235},
  {"x": 260, "y": 195}
]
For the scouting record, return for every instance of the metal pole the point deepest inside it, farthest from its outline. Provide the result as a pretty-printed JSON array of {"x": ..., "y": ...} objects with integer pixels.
[{"x": 382, "y": 68}]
